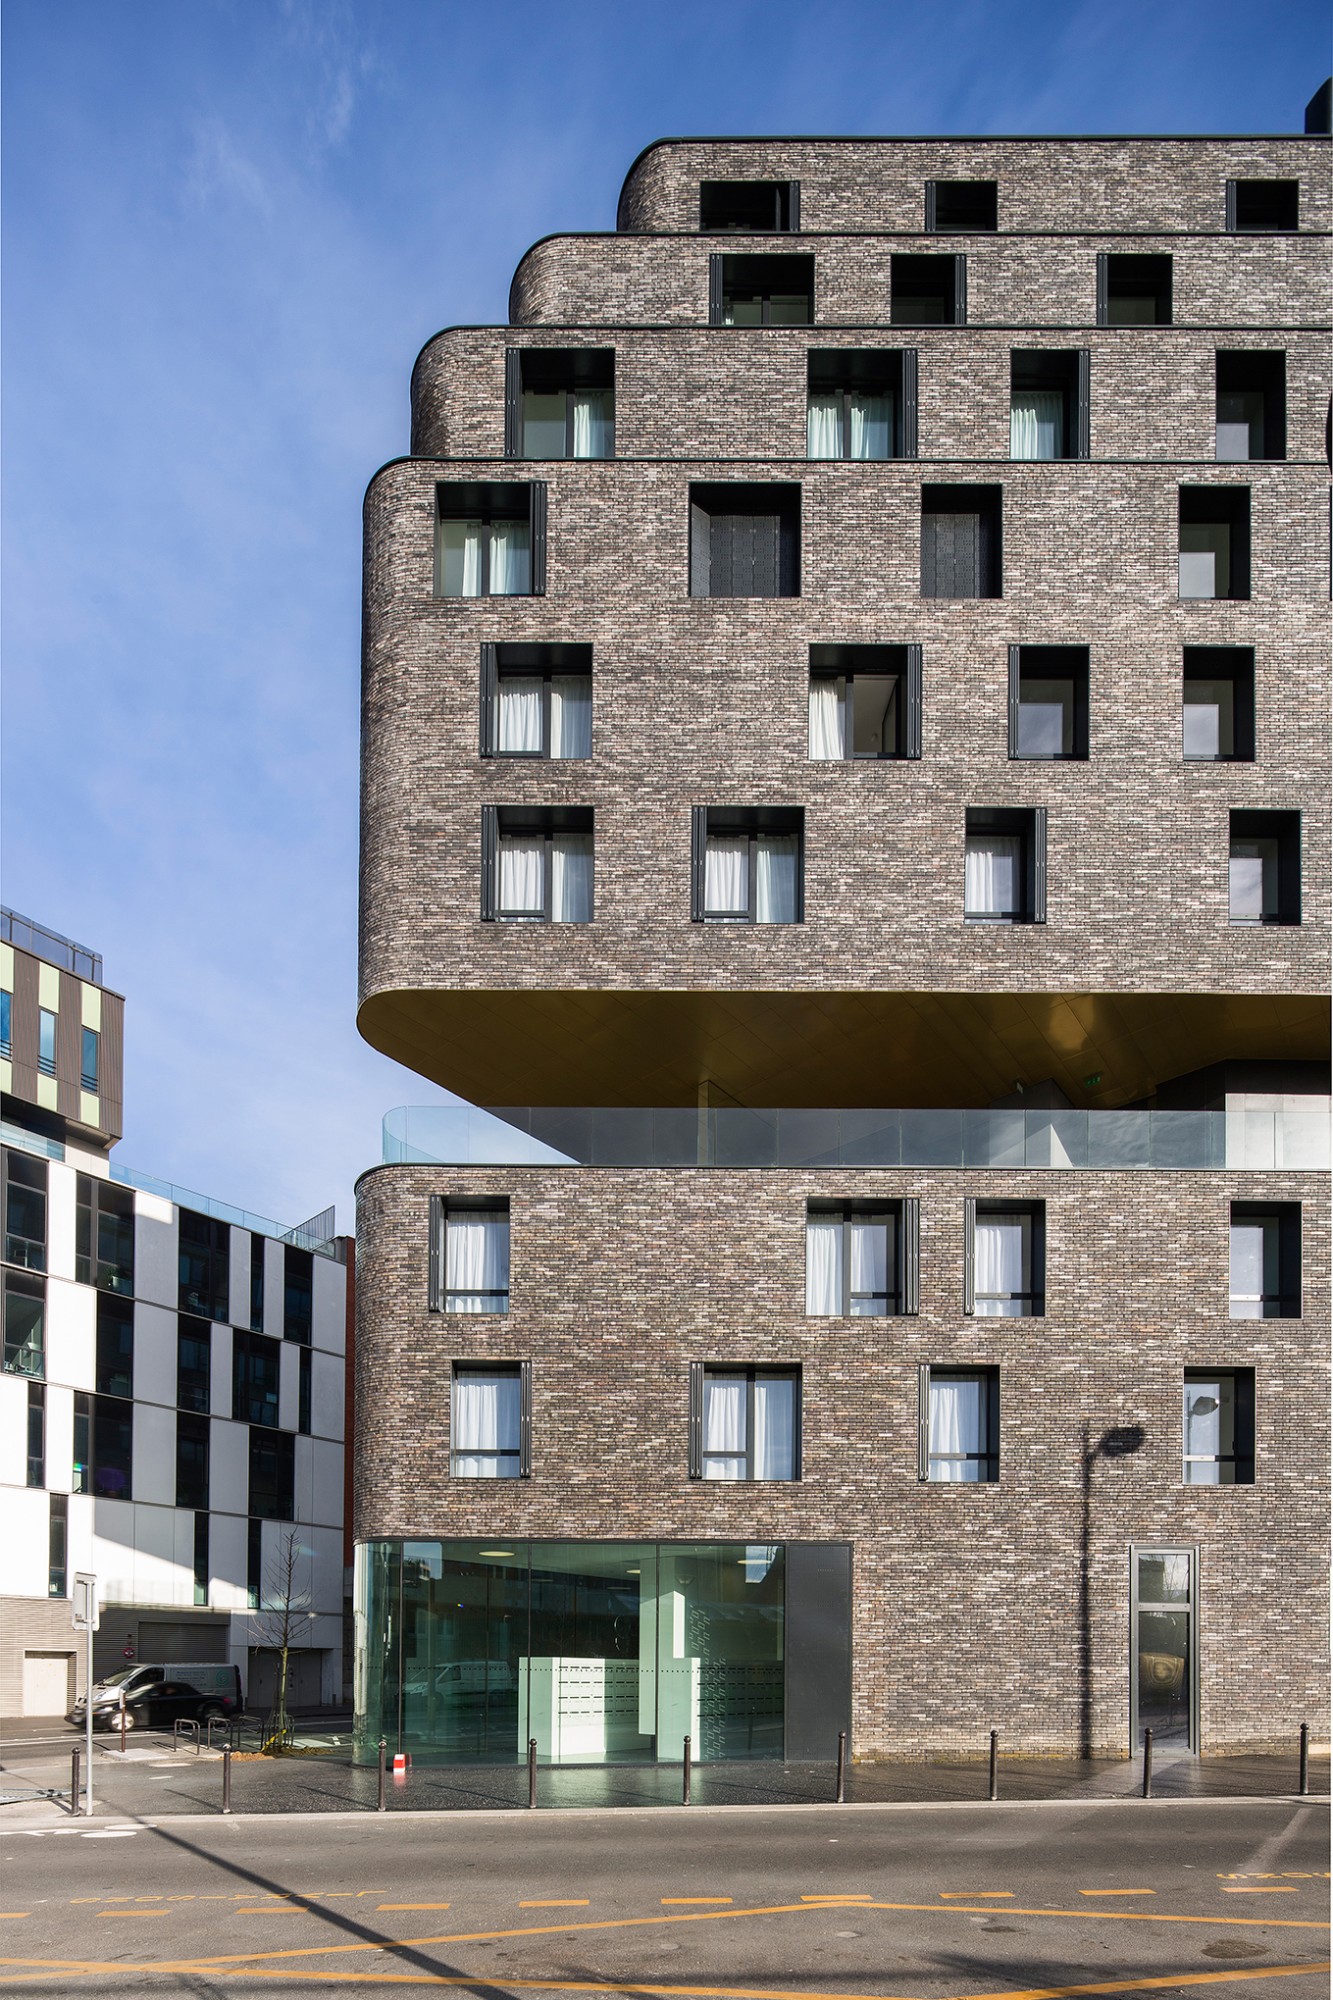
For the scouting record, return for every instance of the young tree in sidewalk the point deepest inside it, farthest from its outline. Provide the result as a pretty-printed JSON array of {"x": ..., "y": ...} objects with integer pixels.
[{"x": 283, "y": 1615}]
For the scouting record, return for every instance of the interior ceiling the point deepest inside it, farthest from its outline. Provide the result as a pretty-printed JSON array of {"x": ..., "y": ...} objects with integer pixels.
[{"x": 835, "y": 1049}]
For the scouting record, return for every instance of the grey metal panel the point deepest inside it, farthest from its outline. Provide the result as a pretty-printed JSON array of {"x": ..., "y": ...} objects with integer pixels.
[{"x": 818, "y": 1647}]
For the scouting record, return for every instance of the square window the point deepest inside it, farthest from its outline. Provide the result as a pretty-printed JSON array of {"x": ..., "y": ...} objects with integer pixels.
[
  {"x": 1133, "y": 290},
  {"x": 865, "y": 702},
  {"x": 862, "y": 1260},
  {"x": 745, "y": 541},
  {"x": 536, "y": 701},
  {"x": 963, "y": 206},
  {"x": 1048, "y": 403},
  {"x": 1048, "y": 702},
  {"x": 749, "y": 207},
  {"x": 490, "y": 1421},
  {"x": 1265, "y": 868},
  {"x": 560, "y": 402},
  {"x": 961, "y": 541},
  {"x": 747, "y": 864},
  {"x": 861, "y": 403},
  {"x": 1251, "y": 405},
  {"x": 960, "y": 1425},
  {"x": 1004, "y": 865},
  {"x": 1005, "y": 1259},
  {"x": 1263, "y": 205},
  {"x": 1215, "y": 541},
  {"x": 761, "y": 291},
  {"x": 1218, "y": 704},
  {"x": 490, "y": 539},
  {"x": 1265, "y": 1260},
  {"x": 745, "y": 1423},
  {"x": 537, "y": 864},
  {"x": 927, "y": 291},
  {"x": 469, "y": 1256},
  {"x": 1217, "y": 1423}
]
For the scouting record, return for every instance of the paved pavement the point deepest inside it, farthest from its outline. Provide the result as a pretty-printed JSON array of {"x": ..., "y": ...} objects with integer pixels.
[{"x": 981, "y": 1902}]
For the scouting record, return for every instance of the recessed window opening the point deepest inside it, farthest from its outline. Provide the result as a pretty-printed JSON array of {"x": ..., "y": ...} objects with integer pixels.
[
  {"x": 861, "y": 1259},
  {"x": 469, "y": 1252},
  {"x": 749, "y": 207},
  {"x": 487, "y": 1423},
  {"x": 537, "y": 864},
  {"x": 1263, "y": 205},
  {"x": 46, "y": 1041},
  {"x": 490, "y": 540},
  {"x": 746, "y": 1424},
  {"x": 560, "y": 402},
  {"x": 927, "y": 291},
  {"x": 1005, "y": 1254},
  {"x": 761, "y": 290},
  {"x": 1048, "y": 702},
  {"x": 963, "y": 206},
  {"x": 536, "y": 701},
  {"x": 961, "y": 541},
  {"x": 1215, "y": 541},
  {"x": 1133, "y": 290},
  {"x": 861, "y": 403},
  {"x": 1265, "y": 1260},
  {"x": 745, "y": 540},
  {"x": 1048, "y": 403},
  {"x": 25, "y": 1323},
  {"x": 25, "y": 1195},
  {"x": 1217, "y": 1421},
  {"x": 1265, "y": 868},
  {"x": 865, "y": 703},
  {"x": 1004, "y": 865},
  {"x": 747, "y": 864},
  {"x": 960, "y": 1442},
  {"x": 1218, "y": 704},
  {"x": 1251, "y": 405},
  {"x": 90, "y": 1059}
]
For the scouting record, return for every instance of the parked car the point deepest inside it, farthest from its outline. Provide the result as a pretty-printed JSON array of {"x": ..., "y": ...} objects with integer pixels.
[{"x": 215, "y": 1692}]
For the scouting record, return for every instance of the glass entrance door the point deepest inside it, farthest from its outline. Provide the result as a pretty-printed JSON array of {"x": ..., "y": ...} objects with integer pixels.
[{"x": 1164, "y": 1647}]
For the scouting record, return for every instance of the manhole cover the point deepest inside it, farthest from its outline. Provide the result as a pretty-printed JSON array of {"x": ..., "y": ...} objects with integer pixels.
[{"x": 1234, "y": 1948}]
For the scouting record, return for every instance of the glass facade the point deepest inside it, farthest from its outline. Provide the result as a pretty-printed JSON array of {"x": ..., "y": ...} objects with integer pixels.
[{"x": 604, "y": 1652}]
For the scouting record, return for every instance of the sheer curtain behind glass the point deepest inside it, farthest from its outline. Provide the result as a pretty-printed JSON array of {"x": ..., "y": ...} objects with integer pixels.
[
  {"x": 823, "y": 1265},
  {"x": 871, "y": 426},
  {"x": 776, "y": 860},
  {"x": 724, "y": 1426},
  {"x": 521, "y": 860},
  {"x": 958, "y": 1440},
  {"x": 1037, "y": 424},
  {"x": 509, "y": 559},
  {"x": 869, "y": 1242},
  {"x": 458, "y": 564},
  {"x": 476, "y": 1277},
  {"x": 520, "y": 721},
  {"x": 571, "y": 715},
  {"x": 571, "y": 878},
  {"x": 992, "y": 874},
  {"x": 1254, "y": 1267},
  {"x": 727, "y": 874},
  {"x": 774, "y": 1427},
  {"x": 486, "y": 1424},
  {"x": 828, "y": 718},
  {"x": 823, "y": 427},
  {"x": 593, "y": 423},
  {"x": 1001, "y": 1243},
  {"x": 1253, "y": 880}
]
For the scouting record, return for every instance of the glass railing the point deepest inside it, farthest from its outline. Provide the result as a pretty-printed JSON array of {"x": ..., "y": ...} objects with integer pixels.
[
  {"x": 732, "y": 1136},
  {"x": 205, "y": 1204},
  {"x": 56, "y": 950}
]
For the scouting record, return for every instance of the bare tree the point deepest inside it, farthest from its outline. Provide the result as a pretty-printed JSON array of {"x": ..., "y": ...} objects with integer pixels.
[{"x": 285, "y": 1609}]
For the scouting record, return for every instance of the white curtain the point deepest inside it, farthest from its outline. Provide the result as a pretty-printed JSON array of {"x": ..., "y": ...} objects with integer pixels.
[
  {"x": 823, "y": 1265},
  {"x": 593, "y": 423},
  {"x": 571, "y": 715},
  {"x": 727, "y": 873},
  {"x": 775, "y": 879},
  {"x": 476, "y": 1263},
  {"x": 1253, "y": 880},
  {"x": 520, "y": 875},
  {"x": 509, "y": 559},
  {"x": 520, "y": 715},
  {"x": 485, "y": 1424},
  {"x": 571, "y": 878},
  {"x": 957, "y": 1425},
  {"x": 1000, "y": 1242},
  {"x": 823, "y": 427},
  {"x": 1249, "y": 1241},
  {"x": 459, "y": 560},
  {"x": 828, "y": 718},
  {"x": 774, "y": 1428},
  {"x": 991, "y": 874},
  {"x": 872, "y": 418},
  {"x": 724, "y": 1426},
  {"x": 870, "y": 1273},
  {"x": 1037, "y": 424}
]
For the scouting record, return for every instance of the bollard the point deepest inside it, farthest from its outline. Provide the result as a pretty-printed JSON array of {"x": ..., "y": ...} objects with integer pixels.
[
  {"x": 994, "y": 1791},
  {"x": 226, "y": 1777},
  {"x": 687, "y": 1774},
  {"x": 74, "y": 1783},
  {"x": 1147, "y": 1763},
  {"x": 1304, "y": 1782},
  {"x": 532, "y": 1774},
  {"x": 841, "y": 1794},
  {"x": 379, "y": 1787}
]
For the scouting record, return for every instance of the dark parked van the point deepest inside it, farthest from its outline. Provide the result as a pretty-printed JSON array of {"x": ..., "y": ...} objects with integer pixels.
[{"x": 203, "y": 1691}]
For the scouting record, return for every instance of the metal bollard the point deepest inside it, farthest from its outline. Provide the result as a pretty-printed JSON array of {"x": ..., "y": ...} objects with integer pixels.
[
  {"x": 1304, "y": 1783},
  {"x": 841, "y": 1794},
  {"x": 532, "y": 1774},
  {"x": 74, "y": 1762},
  {"x": 226, "y": 1777},
  {"x": 379, "y": 1788},
  {"x": 994, "y": 1790},
  {"x": 687, "y": 1773},
  {"x": 1147, "y": 1763}
]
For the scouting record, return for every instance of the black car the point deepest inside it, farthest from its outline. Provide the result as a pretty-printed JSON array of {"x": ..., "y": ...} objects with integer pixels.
[{"x": 157, "y": 1707}]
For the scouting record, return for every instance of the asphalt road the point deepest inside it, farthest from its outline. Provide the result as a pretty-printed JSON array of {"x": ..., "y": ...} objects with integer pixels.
[{"x": 868, "y": 1901}]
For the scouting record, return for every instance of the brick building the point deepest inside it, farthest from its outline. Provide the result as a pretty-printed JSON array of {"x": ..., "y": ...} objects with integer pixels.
[{"x": 856, "y": 642}]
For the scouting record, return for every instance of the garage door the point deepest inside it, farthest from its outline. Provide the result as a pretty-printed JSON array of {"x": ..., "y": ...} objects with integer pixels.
[{"x": 47, "y": 1683}]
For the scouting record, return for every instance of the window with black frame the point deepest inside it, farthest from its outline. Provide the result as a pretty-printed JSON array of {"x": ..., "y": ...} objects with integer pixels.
[
  {"x": 1004, "y": 865},
  {"x": 1263, "y": 206},
  {"x": 194, "y": 1364},
  {"x": 861, "y": 403},
  {"x": 1134, "y": 290},
  {"x": 862, "y": 1259},
  {"x": 959, "y": 1425},
  {"x": 747, "y": 864},
  {"x": 490, "y": 1420},
  {"x": 961, "y": 541},
  {"x": 192, "y": 1441},
  {"x": 927, "y": 290},
  {"x": 205, "y": 1265},
  {"x": 1218, "y": 705},
  {"x": 865, "y": 703},
  {"x": 745, "y": 208},
  {"x": 1049, "y": 402},
  {"x": 1214, "y": 542},
  {"x": 25, "y": 1192},
  {"x": 104, "y": 1234},
  {"x": 298, "y": 1294},
  {"x": 1265, "y": 1257},
  {"x": 24, "y": 1301},
  {"x": 1004, "y": 1259},
  {"x": 115, "y": 1346},
  {"x": 560, "y": 402},
  {"x": 490, "y": 539},
  {"x": 1264, "y": 868},
  {"x": 36, "y": 1434},
  {"x": 103, "y": 1446},
  {"x": 761, "y": 290},
  {"x": 745, "y": 1422},
  {"x": 962, "y": 207},
  {"x": 745, "y": 540},
  {"x": 1217, "y": 1422},
  {"x": 1048, "y": 702},
  {"x": 272, "y": 1474},
  {"x": 536, "y": 701},
  {"x": 256, "y": 1373},
  {"x": 1251, "y": 405},
  {"x": 537, "y": 864},
  {"x": 469, "y": 1255}
]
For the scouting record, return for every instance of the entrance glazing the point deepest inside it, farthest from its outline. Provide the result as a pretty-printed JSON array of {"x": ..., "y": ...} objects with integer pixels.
[{"x": 1163, "y": 1647}]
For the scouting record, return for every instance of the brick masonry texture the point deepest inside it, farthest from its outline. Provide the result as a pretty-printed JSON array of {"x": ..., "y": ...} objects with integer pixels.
[{"x": 966, "y": 1612}]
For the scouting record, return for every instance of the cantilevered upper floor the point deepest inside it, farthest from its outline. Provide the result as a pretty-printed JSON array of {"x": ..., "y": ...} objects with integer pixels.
[{"x": 62, "y": 1036}]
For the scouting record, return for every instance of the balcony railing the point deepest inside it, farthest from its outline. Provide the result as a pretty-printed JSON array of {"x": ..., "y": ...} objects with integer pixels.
[
  {"x": 56, "y": 950},
  {"x": 731, "y": 1136}
]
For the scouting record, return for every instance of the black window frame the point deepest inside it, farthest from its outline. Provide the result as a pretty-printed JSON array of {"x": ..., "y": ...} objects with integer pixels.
[
  {"x": 36, "y": 1438},
  {"x": 843, "y": 371},
  {"x": 1029, "y": 823},
  {"x": 254, "y": 1564},
  {"x": 193, "y": 1437},
  {"x": 962, "y": 208},
  {"x": 90, "y": 1044},
  {"x": 527, "y": 662},
  {"x": 550, "y": 371},
  {"x": 902, "y": 1216},
  {"x": 304, "y": 1389},
  {"x": 536, "y": 822},
  {"x": 1223, "y": 663},
  {"x": 103, "y": 1446},
  {"x": 714, "y": 510},
  {"x": 752, "y": 1371},
  {"x": 1263, "y": 206},
  {"x": 26, "y": 1357},
  {"x": 46, "y": 1064},
  {"x": 761, "y": 275},
  {"x": 1255, "y": 371},
  {"x": 732, "y": 822},
  {"x": 1284, "y": 1217},
  {"x": 876, "y": 663},
  {"x": 521, "y": 1371},
  {"x": 26, "y": 1199},
  {"x": 1241, "y": 1458},
  {"x": 985, "y": 1372},
  {"x": 201, "y": 1561},
  {"x": 194, "y": 1383},
  {"x": 1050, "y": 663},
  {"x": 1067, "y": 370},
  {"x": 485, "y": 502},
  {"x": 1134, "y": 274},
  {"x": 258, "y": 1254},
  {"x": 930, "y": 275},
  {"x": 57, "y": 1546},
  {"x": 1284, "y": 827},
  {"x": 440, "y": 1210},
  {"x": 114, "y": 1364},
  {"x": 1219, "y": 506},
  {"x": 104, "y": 1220},
  {"x": 782, "y": 199},
  {"x": 1035, "y": 1294},
  {"x": 256, "y": 1379},
  {"x": 939, "y": 565},
  {"x": 210, "y": 1244},
  {"x": 271, "y": 1474},
  {"x": 298, "y": 1295}
]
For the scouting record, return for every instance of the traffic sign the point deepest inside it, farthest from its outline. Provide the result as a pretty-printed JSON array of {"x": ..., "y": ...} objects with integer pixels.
[{"x": 87, "y": 1611}]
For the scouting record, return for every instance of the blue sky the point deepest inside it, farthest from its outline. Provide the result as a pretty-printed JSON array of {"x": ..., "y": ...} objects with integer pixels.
[{"x": 228, "y": 228}]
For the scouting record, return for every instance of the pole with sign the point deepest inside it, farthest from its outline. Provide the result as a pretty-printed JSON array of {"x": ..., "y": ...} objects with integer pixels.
[{"x": 87, "y": 1615}]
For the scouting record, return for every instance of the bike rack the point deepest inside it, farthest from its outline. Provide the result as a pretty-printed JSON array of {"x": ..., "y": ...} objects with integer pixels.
[{"x": 191, "y": 1727}]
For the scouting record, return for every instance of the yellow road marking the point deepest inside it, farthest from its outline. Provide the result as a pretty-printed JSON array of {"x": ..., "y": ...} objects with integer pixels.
[
  {"x": 6, "y": 1914},
  {"x": 132, "y": 1913},
  {"x": 695, "y": 1899},
  {"x": 976, "y": 1893},
  {"x": 847, "y": 1896},
  {"x": 557, "y": 1903},
  {"x": 1117, "y": 1892},
  {"x": 414, "y": 1906},
  {"x": 274, "y": 1910},
  {"x": 1274, "y": 1889}
]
